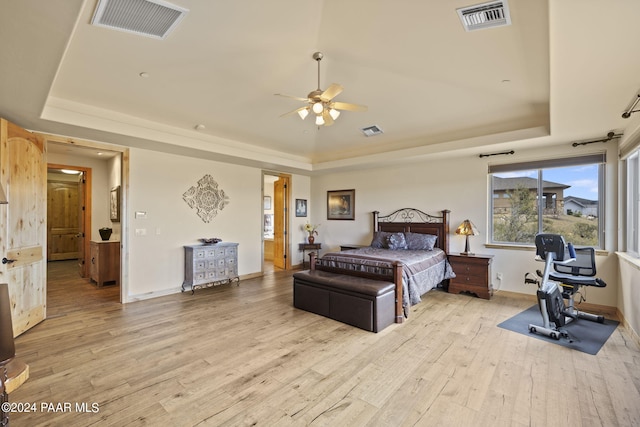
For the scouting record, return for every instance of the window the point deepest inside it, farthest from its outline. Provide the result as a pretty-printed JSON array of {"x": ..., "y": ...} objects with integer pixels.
[
  {"x": 559, "y": 196},
  {"x": 633, "y": 203}
]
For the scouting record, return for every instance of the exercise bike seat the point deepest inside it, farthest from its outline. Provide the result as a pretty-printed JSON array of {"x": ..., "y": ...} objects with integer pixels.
[{"x": 580, "y": 272}]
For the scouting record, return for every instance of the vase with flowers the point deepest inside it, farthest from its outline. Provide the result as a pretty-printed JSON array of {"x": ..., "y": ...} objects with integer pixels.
[{"x": 311, "y": 229}]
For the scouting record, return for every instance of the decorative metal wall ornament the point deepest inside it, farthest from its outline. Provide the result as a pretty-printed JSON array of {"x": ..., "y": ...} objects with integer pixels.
[{"x": 206, "y": 198}]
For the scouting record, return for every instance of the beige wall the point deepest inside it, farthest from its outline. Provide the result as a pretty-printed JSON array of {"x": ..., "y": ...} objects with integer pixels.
[
  {"x": 629, "y": 291},
  {"x": 157, "y": 183}
]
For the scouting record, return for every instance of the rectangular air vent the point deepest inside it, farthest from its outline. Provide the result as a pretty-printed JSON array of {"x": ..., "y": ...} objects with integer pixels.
[
  {"x": 151, "y": 18},
  {"x": 485, "y": 15},
  {"x": 371, "y": 130}
]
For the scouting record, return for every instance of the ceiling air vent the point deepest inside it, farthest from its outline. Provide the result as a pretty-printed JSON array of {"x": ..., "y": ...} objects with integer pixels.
[
  {"x": 485, "y": 15},
  {"x": 371, "y": 130},
  {"x": 151, "y": 18}
]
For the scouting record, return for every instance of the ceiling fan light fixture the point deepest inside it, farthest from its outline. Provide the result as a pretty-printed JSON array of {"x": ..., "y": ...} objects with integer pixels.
[
  {"x": 317, "y": 107},
  {"x": 303, "y": 113},
  {"x": 321, "y": 102}
]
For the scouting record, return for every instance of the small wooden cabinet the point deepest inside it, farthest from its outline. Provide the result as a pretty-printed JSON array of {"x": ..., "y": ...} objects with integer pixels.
[
  {"x": 105, "y": 262},
  {"x": 473, "y": 274},
  {"x": 210, "y": 265},
  {"x": 304, "y": 247}
]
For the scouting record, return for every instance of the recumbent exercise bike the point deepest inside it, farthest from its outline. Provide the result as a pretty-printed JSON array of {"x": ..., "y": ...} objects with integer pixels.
[{"x": 566, "y": 270}]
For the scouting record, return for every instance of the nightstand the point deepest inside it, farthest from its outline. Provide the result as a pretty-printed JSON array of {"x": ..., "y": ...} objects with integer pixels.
[
  {"x": 473, "y": 274},
  {"x": 309, "y": 247}
]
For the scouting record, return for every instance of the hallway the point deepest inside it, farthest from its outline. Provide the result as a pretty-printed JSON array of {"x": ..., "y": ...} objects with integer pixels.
[{"x": 68, "y": 292}]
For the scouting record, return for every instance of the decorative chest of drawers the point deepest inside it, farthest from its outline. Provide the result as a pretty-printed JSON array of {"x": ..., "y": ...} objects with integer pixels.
[
  {"x": 210, "y": 265},
  {"x": 473, "y": 274},
  {"x": 105, "y": 262}
]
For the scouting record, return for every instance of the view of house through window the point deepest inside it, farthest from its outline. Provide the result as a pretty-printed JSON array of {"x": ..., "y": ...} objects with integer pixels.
[{"x": 564, "y": 198}]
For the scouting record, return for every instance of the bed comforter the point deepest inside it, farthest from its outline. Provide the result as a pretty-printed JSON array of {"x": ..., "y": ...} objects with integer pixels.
[{"x": 422, "y": 270}]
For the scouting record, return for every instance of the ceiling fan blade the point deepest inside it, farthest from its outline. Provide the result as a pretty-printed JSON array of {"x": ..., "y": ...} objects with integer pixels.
[
  {"x": 328, "y": 120},
  {"x": 292, "y": 97},
  {"x": 290, "y": 113},
  {"x": 331, "y": 92},
  {"x": 347, "y": 106}
]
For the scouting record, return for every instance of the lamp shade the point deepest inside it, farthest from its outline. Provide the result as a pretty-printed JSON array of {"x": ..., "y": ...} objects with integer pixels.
[
  {"x": 303, "y": 113},
  {"x": 467, "y": 229}
]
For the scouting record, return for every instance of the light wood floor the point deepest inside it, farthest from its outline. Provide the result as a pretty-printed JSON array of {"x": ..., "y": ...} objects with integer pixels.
[{"x": 242, "y": 355}]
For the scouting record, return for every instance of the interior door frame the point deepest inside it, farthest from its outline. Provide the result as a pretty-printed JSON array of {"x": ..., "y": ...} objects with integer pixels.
[
  {"x": 86, "y": 212},
  {"x": 124, "y": 197}
]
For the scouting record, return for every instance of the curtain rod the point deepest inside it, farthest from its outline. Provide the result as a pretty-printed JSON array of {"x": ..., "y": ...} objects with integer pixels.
[
  {"x": 610, "y": 136},
  {"x": 630, "y": 110},
  {"x": 497, "y": 154}
]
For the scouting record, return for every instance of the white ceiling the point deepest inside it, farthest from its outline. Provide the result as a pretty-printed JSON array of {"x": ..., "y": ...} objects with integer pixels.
[{"x": 563, "y": 71}]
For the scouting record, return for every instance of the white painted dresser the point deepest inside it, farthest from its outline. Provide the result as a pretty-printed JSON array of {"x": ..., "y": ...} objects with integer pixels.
[{"x": 210, "y": 265}]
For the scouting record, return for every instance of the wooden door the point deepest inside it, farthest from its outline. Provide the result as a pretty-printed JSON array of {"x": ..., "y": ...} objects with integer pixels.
[
  {"x": 63, "y": 219},
  {"x": 23, "y": 232},
  {"x": 280, "y": 223},
  {"x": 279, "y": 259}
]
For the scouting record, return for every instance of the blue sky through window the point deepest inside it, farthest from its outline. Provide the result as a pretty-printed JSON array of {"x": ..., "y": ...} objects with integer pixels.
[{"x": 582, "y": 179}]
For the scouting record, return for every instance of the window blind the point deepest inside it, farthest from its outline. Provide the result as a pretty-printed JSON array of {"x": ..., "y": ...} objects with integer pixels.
[{"x": 552, "y": 163}]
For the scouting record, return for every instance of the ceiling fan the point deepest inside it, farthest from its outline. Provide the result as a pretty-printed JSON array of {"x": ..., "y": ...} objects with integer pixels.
[{"x": 321, "y": 102}]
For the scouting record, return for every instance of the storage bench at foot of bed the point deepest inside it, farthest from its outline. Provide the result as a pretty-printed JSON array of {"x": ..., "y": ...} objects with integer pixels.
[{"x": 366, "y": 303}]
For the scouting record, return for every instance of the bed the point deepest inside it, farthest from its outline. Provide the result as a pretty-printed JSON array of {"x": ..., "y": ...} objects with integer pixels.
[{"x": 423, "y": 255}]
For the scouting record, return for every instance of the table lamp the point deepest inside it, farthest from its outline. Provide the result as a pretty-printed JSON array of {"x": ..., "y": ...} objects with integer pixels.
[{"x": 467, "y": 229}]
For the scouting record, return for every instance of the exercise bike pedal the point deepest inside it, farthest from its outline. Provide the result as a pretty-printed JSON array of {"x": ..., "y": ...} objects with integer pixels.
[{"x": 528, "y": 279}]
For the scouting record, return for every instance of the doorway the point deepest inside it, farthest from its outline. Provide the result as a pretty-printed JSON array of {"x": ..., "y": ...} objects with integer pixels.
[
  {"x": 69, "y": 257},
  {"x": 68, "y": 214},
  {"x": 78, "y": 206},
  {"x": 275, "y": 237}
]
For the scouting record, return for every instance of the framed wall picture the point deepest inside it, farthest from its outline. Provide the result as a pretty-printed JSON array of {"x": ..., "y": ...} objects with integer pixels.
[
  {"x": 114, "y": 204},
  {"x": 341, "y": 204},
  {"x": 268, "y": 224},
  {"x": 267, "y": 202},
  {"x": 301, "y": 207}
]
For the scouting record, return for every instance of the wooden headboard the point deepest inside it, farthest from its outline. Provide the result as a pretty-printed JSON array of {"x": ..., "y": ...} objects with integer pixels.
[{"x": 415, "y": 221}]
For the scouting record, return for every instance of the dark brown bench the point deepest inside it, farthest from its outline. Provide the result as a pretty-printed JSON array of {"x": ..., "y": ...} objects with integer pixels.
[{"x": 366, "y": 303}]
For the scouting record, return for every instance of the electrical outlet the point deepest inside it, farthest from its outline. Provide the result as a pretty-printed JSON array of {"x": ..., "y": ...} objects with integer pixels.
[{"x": 499, "y": 276}]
